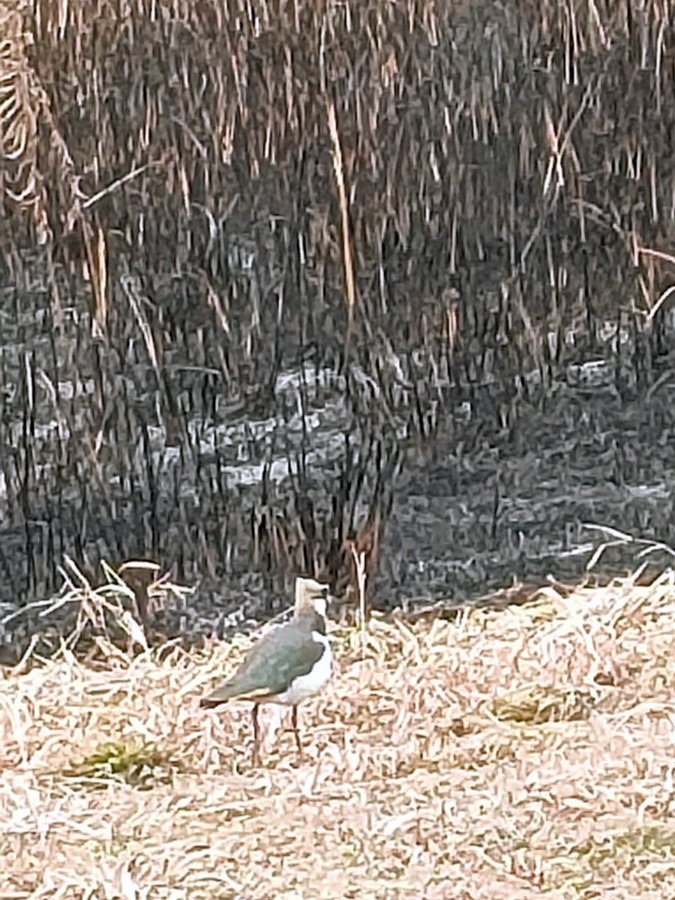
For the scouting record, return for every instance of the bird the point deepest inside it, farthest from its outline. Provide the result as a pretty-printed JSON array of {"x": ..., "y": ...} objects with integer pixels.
[{"x": 287, "y": 665}]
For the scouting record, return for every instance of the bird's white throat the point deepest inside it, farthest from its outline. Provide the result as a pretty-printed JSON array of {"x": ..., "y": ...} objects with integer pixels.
[{"x": 320, "y": 606}]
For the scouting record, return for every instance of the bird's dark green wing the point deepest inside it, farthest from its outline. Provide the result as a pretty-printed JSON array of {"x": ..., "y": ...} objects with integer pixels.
[{"x": 273, "y": 663}]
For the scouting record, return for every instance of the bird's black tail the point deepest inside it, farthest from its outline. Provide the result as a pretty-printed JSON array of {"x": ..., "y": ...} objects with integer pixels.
[{"x": 209, "y": 703}]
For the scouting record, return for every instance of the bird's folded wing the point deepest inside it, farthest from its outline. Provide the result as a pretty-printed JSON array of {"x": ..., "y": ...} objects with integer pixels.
[{"x": 274, "y": 662}]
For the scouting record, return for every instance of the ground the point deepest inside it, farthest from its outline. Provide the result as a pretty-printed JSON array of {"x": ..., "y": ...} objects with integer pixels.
[{"x": 519, "y": 753}]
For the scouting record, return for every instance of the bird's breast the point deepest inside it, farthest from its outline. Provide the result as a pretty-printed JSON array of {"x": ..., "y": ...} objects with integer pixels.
[{"x": 304, "y": 686}]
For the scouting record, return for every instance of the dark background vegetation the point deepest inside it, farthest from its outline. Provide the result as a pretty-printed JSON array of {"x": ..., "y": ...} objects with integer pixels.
[{"x": 171, "y": 249}]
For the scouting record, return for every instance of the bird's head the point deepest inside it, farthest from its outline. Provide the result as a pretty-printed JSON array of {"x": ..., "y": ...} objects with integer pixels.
[{"x": 311, "y": 593}]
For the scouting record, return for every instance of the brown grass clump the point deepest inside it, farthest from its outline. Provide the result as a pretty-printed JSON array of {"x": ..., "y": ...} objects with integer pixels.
[{"x": 520, "y": 753}]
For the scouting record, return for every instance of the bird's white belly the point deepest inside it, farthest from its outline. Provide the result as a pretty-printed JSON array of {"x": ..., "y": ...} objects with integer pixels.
[{"x": 304, "y": 686}]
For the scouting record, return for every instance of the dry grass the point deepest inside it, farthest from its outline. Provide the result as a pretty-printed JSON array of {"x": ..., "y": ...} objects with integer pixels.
[{"x": 520, "y": 753}]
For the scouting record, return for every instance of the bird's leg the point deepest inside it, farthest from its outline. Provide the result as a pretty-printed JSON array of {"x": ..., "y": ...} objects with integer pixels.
[
  {"x": 294, "y": 721},
  {"x": 256, "y": 735}
]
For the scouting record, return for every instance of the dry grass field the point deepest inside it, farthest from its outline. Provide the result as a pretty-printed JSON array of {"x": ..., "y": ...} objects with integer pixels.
[{"x": 522, "y": 753}]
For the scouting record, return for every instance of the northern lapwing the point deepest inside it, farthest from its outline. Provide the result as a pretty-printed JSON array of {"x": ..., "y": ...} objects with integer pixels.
[{"x": 287, "y": 665}]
